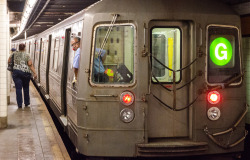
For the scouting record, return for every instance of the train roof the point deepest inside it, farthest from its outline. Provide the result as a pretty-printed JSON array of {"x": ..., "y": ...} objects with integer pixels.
[
  {"x": 163, "y": 6},
  {"x": 156, "y": 9},
  {"x": 165, "y": 9}
]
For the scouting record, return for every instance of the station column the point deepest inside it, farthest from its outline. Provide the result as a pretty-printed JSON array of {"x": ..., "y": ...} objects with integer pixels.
[{"x": 4, "y": 52}]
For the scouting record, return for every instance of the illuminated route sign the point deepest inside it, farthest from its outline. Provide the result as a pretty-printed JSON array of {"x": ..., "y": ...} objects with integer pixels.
[{"x": 221, "y": 51}]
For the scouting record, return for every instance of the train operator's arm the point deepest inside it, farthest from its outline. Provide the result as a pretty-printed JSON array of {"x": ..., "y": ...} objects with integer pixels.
[
  {"x": 76, "y": 72},
  {"x": 30, "y": 64}
]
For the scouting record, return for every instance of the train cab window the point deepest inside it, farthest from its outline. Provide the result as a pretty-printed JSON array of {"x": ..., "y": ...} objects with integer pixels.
[
  {"x": 113, "y": 63},
  {"x": 223, "y": 56},
  {"x": 166, "y": 51}
]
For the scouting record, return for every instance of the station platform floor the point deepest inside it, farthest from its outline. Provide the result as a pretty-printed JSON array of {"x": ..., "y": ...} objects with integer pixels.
[{"x": 31, "y": 133}]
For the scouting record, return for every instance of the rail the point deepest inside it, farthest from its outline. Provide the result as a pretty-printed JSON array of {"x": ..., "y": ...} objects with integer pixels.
[
  {"x": 228, "y": 83},
  {"x": 174, "y": 84},
  {"x": 232, "y": 129}
]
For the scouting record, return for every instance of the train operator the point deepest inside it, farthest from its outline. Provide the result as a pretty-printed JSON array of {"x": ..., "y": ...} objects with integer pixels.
[{"x": 76, "y": 47}]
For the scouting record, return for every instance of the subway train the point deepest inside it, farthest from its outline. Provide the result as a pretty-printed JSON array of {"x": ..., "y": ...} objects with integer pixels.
[{"x": 156, "y": 78}]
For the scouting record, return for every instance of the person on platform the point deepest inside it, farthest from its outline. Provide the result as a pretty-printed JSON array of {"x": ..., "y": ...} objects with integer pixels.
[{"x": 21, "y": 75}]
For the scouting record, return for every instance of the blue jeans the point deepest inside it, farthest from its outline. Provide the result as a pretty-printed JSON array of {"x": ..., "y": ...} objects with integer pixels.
[{"x": 22, "y": 80}]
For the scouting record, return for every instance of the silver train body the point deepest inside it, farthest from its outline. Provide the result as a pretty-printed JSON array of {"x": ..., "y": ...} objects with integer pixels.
[{"x": 162, "y": 56}]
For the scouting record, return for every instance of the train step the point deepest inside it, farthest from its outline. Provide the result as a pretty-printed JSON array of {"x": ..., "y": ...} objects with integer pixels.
[{"x": 170, "y": 147}]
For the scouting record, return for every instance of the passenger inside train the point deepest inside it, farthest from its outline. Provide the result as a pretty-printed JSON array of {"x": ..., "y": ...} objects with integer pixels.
[
  {"x": 99, "y": 70},
  {"x": 114, "y": 54}
]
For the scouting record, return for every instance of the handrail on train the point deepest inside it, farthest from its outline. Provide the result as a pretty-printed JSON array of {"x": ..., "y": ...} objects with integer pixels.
[
  {"x": 174, "y": 85},
  {"x": 229, "y": 82},
  {"x": 232, "y": 129},
  {"x": 174, "y": 90}
]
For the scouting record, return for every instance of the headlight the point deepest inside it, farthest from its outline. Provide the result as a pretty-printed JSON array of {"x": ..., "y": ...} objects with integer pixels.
[
  {"x": 213, "y": 113},
  {"x": 127, "y": 115},
  {"x": 127, "y": 98}
]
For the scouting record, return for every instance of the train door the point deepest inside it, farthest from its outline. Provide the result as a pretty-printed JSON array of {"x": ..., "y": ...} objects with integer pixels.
[
  {"x": 43, "y": 64},
  {"x": 47, "y": 63},
  {"x": 55, "y": 79},
  {"x": 170, "y": 51},
  {"x": 65, "y": 72},
  {"x": 37, "y": 58},
  {"x": 72, "y": 85}
]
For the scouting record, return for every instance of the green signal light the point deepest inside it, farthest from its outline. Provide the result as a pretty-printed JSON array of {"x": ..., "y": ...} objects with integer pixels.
[{"x": 221, "y": 51}]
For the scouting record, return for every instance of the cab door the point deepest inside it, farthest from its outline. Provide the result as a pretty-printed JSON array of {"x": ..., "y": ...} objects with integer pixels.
[
  {"x": 170, "y": 48},
  {"x": 71, "y": 86}
]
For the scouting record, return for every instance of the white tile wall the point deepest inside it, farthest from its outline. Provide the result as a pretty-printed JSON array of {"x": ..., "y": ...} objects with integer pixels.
[
  {"x": 3, "y": 18},
  {"x": 2, "y": 57},
  {"x": 2, "y": 86},
  {"x": 5, "y": 42},
  {"x": 4, "y": 47},
  {"x": 3, "y": 2}
]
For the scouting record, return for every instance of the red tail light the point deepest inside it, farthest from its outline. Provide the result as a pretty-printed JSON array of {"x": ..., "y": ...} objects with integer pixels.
[
  {"x": 213, "y": 97},
  {"x": 127, "y": 98}
]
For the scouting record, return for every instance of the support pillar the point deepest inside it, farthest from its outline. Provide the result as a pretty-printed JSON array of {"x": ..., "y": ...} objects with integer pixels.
[{"x": 4, "y": 52}]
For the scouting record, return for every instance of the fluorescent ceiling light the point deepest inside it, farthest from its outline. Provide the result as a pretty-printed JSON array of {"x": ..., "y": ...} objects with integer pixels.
[{"x": 29, "y": 6}]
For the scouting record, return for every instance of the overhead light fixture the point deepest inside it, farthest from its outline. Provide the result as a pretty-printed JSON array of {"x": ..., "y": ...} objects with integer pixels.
[
  {"x": 45, "y": 22},
  {"x": 29, "y": 6}
]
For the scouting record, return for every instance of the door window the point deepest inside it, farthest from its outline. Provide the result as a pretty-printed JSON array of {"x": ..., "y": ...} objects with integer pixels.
[
  {"x": 166, "y": 50},
  {"x": 56, "y": 54}
]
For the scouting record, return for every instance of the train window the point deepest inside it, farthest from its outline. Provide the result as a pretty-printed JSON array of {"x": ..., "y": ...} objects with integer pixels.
[
  {"x": 166, "y": 50},
  {"x": 223, "y": 56},
  {"x": 113, "y": 63},
  {"x": 46, "y": 51},
  {"x": 37, "y": 51},
  {"x": 29, "y": 48},
  {"x": 56, "y": 54},
  {"x": 42, "y": 53}
]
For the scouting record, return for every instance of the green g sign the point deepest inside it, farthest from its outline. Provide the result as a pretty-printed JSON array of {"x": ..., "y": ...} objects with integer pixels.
[{"x": 221, "y": 51}]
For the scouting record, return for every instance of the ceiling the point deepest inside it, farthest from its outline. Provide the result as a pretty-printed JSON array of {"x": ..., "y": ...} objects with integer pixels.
[
  {"x": 45, "y": 14},
  {"x": 50, "y": 12},
  {"x": 16, "y": 9}
]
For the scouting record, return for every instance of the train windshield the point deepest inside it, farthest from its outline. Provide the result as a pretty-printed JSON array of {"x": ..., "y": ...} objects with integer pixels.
[
  {"x": 166, "y": 51},
  {"x": 113, "y": 59},
  {"x": 223, "y": 54}
]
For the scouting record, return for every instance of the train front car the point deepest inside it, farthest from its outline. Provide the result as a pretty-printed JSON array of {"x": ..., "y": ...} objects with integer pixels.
[{"x": 163, "y": 78}]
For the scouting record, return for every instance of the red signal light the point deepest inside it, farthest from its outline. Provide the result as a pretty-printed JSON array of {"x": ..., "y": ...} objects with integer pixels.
[
  {"x": 213, "y": 97},
  {"x": 127, "y": 98}
]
